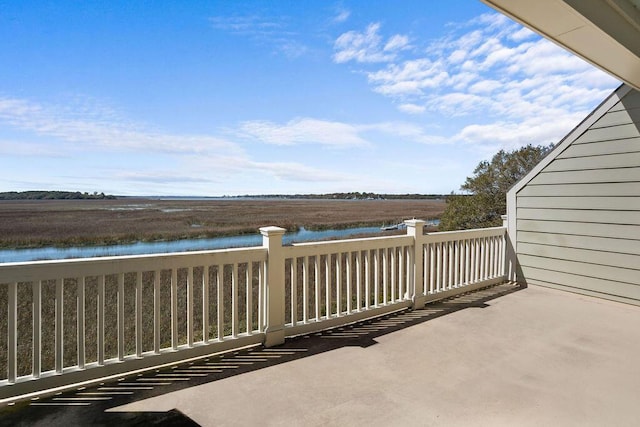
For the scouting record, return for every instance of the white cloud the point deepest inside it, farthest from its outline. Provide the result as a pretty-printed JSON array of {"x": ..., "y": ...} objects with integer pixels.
[
  {"x": 304, "y": 131},
  {"x": 464, "y": 43},
  {"x": 522, "y": 34},
  {"x": 457, "y": 56},
  {"x": 335, "y": 134},
  {"x": 271, "y": 31},
  {"x": 485, "y": 86},
  {"x": 405, "y": 131},
  {"x": 248, "y": 25},
  {"x": 341, "y": 16},
  {"x": 163, "y": 163},
  {"x": 412, "y": 108},
  {"x": 410, "y": 78},
  {"x": 31, "y": 149},
  {"x": 459, "y": 104},
  {"x": 368, "y": 46},
  {"x": 544, "y": 57},
  {"x": 298, "y": 172},
  {"x": 497, "y": 79},
  {"x": 158, "y": 177},
  {"x": 291, "y": 48},
  {"x": 90, "y": 128},
  {"x": 493, "y": 21},
  {"x": 511, "y": 135},
  {"x": 397, "y": 42}
]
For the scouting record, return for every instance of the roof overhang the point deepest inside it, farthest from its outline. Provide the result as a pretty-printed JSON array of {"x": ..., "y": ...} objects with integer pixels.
[{"x": 605, "y": 33}]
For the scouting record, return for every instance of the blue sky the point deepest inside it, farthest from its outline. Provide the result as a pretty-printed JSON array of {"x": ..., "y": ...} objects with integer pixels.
[{"x": 213, "y": 98}]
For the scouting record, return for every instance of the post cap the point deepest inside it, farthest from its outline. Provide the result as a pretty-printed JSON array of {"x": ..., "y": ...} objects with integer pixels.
[
  {"x": 415, "y": 222},
  {"x": 272, "y": 231}
]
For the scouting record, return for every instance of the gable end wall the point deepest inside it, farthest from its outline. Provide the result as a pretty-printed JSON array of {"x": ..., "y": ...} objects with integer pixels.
[{"x": 577, "y": 216}]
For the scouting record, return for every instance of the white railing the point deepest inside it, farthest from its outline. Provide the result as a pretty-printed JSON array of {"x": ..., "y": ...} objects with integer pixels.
[
  {"x": 78, "y": 320},
  {"x": 340, "y": 281},
  {"x": 462, "y": 260},
  {"x": 75, "y": 321}
]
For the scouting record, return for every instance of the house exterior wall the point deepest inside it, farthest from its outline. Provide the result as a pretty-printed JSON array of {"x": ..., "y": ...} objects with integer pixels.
[{"x": 577, "y": 215}]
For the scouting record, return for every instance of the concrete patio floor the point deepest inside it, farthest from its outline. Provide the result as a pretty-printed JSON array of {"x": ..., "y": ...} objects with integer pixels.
[{"x": 500, "y": 356}]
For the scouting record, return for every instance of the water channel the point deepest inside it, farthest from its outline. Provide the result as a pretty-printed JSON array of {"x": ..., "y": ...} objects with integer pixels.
[{"x": 50, "y": 253}]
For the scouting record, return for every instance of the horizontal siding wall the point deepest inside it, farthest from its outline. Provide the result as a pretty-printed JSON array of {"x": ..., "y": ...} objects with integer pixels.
[{"x": 578, "y": 220}]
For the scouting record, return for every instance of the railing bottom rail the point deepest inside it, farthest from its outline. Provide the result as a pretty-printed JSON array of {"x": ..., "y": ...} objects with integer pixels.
[
  {"x": 463, "y": 289},
  {"x": 334, "y": 322},
  {"x": 74, "y": 377}
]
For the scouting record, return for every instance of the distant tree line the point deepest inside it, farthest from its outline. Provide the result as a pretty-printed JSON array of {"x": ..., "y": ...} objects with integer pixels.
[
  {"x": 53, "y": 195},
  {"x": 354, "y": 195}
]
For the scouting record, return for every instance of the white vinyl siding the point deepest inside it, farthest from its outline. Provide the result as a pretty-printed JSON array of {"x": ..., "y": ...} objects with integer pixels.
[{"x": 578, "y": 216}]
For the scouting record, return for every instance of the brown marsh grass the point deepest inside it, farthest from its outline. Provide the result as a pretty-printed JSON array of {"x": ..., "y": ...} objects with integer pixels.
[{"x": 35, "y": 223}]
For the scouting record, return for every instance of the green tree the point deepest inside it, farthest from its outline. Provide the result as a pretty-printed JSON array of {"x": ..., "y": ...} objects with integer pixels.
[{"x": 484, "y": 198}]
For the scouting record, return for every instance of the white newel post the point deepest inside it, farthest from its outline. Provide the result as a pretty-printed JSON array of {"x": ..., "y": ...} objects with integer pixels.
[
  {"x": 509, "y": 253},
  {"x": 274, "y": 285},
  {"x": 415, "y": 229}
]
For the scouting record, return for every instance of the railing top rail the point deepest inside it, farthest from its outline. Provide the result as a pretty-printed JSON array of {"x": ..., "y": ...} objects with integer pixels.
[
  {"x": 445, "y": 236},
  {"x": 67, "y": 261},
  {"x": 494, "y": 230},
  {"x": 332, "y": 246},
  {"x": 36, "y": 270}
]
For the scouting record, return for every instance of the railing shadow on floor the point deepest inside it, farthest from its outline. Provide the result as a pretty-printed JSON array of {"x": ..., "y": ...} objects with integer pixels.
[{"x": 87, "y": 405}]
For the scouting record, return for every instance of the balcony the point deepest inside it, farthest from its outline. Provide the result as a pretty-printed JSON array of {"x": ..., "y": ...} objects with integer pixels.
[
  {"x": 316, "y": 333},
  {"x": 499, "y": 356}
]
